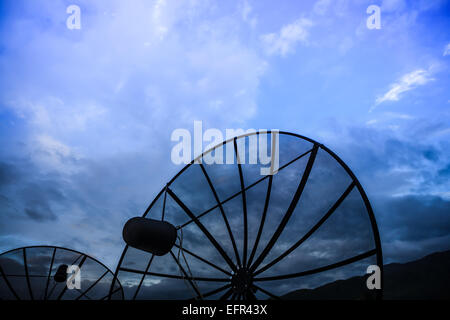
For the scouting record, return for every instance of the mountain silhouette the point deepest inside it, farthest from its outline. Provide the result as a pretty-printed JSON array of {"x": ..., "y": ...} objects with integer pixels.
[{"x": 425, "y": 279}]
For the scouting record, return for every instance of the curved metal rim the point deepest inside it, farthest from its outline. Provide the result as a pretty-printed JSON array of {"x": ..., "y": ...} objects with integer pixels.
[
  {"x": 71, "y": 250},
  {"x": 376, "y": 234}
]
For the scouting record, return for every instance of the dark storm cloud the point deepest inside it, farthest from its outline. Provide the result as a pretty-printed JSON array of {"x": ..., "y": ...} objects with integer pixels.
[
  {"x": 28, "y": 195},
  {"x": 82, "y": 207},
  {"x": 8, "y": 173},
  {"x": 443, "y": 175},
  {"x": 406, "y": 179},
  {"x": 416, "y": 218},
  {"x": 380, "y": 152},
  {"x": 41, "y": 215}
]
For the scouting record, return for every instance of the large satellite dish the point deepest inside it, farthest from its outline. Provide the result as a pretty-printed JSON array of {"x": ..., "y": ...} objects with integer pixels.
[
  {"x": 40, "y": 273},
  {"x": 242, "y": 235}
]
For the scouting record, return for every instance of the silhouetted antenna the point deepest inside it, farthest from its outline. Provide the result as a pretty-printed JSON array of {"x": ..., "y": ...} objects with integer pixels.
[
  {"x": 251, "y": 236},
  {"x": 41, "y": 273}
]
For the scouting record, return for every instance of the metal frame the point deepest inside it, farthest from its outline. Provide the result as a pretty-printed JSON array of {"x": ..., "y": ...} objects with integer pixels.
[
  {"x": 250, "y": 266},
  {"x": 81, "y": 255}
]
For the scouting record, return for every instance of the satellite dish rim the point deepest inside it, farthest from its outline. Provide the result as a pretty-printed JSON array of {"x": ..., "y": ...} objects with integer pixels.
[
  {"x": 368, "y": 206},
  {"x": 71, "y": 250}
]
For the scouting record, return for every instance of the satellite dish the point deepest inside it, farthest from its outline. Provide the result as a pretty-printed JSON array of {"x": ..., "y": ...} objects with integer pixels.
[
  {"x": 61, "y": 273},
  {"x": 41, "y": 273},
  {"x": 243, "y": 235}
]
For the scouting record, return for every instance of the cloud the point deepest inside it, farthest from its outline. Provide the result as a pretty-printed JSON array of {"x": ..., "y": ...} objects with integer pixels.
[
  {"x": 389, "y": 120},
  {"x": 136, "y": 57},
  {"x": 283, "y": 42},
  {"x": 39, "y": 215},
  {"x": 321, "y": 6},
  {"x": 54, "y": 155},
  {"x": 413, "y": 226},
  {"x": 447, "y": 50},
  {"x": 406, "y": 83},
  {"x": 392, "y": 5},
  {"x": 408, "y": 212},
  {"x": 95, "y": 110},
  {"x": 246, "y": 13}
]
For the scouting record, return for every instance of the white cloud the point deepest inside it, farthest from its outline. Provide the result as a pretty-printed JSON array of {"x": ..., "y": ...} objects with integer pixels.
[
  {"x": 321, "y": 6},
  {"x": 246, "y": 13},
  {"x": 401, "y": 116},
  {"x": 126, "y": 76},
  {"x": 160, "y": 26},
  {"x": 97, "y": 107},
  {"x": 406, "y": 83},
  {"x": 53, "y": 155},
  {"x": 447, "y": 50},
  {"x": 284, "y": 41},
  {"x": 389, "y": 120},
  {"x": 392, "y": 5}
]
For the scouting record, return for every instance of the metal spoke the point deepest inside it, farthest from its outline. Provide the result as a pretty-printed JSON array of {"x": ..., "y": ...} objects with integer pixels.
[
  {"x": 26, "y": 273},
  {"x": 173, "y": 276},
  {"x": 373, "y": 222},
  {"x": 311, "y": 231},
  {"x": 53, "y": 289},
  {"x": 210, "y": 293},
  {"x": 143, "y": 276},
  {"x": 113, "y": 282},
  {"x": 164, "y": 206},
  {"x": 92, "y": 285},
  {"x": 239, "y": 192},
  {"x": 74, "y": 261},
  {"x": 89, "y": 298},
  {"x": 290, "y": 210},
  {"x": 203, "y": 260},
  {"x": 226, "y": 294},
  {"x": 9, "y": 284},
  {"x": 203, "y": 229},
  {"x": 185, "y": 274},
  {"x": 321, "y": 269},
  {"x": 250, "y": 295},
  {"x": 230, "y": 233},
  {"x": 151, "y": 258},
  {"x": 116, "y": 272},
  {"x": 263, "y": 219},
  {"x": 267, "y": 293},
  {"x": 153, "y": 202},
  {"x": 244, "y": 204},
  {"x": 65, "y": 287},
  {"x": 111, "y": 293}
]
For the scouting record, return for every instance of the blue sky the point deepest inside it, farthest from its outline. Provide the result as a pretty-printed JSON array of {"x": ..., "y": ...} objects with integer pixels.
[{"x": 86, "y": 115}]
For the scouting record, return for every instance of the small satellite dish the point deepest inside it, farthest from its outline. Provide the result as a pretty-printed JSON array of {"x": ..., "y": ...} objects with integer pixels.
[
  {"x": 41, "y": 273},
  {"x": 61, "y": 273},
  {"x": 225, "y": 231}
]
